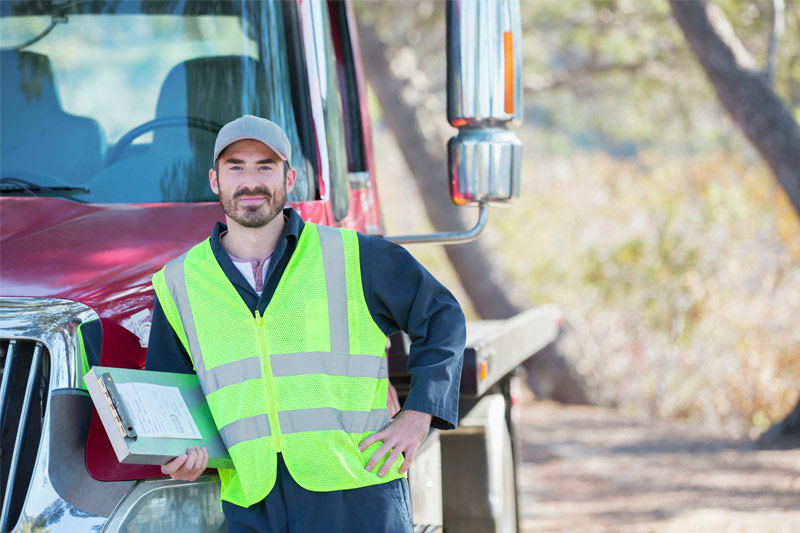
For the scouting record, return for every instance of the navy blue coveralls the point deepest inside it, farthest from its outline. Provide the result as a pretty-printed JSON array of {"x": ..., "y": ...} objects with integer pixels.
[{"x": 400, "y": 295}]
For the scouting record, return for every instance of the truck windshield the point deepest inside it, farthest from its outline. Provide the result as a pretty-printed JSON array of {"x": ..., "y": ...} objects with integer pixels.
[{"x": 121, "y": 102}]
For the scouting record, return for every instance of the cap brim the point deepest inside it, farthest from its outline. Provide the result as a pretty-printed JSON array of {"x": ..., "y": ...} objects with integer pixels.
[{"x": 246, "y": 137}]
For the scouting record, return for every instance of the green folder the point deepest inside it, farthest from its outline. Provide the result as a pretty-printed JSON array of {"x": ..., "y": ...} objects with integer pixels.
[{"x": 130, "y": 447}]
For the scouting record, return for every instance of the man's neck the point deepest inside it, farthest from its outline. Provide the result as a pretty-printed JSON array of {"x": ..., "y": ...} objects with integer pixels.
[{"x": 252, "y": 243}]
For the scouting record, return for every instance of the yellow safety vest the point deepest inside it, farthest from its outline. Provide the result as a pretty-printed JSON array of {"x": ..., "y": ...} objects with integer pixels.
[{"x": 308, "y": 379}]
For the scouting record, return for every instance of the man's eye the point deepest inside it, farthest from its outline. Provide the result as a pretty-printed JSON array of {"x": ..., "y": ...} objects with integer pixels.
[
  {"x": 265, "y": 167},
  {"x": 236, "y": 167}
]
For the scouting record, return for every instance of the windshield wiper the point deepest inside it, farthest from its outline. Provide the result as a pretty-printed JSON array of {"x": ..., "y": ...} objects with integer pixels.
[{"x": 11, "y": 185}]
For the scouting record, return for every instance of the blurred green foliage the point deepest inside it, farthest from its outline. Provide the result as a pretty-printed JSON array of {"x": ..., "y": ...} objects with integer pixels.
[
  {"x": 673, "y": 275},
  {"x": 623, "y": 68}
]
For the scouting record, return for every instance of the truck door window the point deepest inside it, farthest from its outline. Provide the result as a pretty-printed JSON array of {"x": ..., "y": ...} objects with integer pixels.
[
  {"x": 124, "y": 99},
  {"x": 348, "y": 87},
  {"x": 334, "y": 118}
]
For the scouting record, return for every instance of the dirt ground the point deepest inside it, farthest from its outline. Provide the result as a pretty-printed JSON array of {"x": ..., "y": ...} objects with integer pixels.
[{"x": 590, "y": 469}]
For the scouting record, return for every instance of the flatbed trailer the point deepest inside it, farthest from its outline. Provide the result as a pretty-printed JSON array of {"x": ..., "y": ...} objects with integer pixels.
[{"x": 466, "y": 478}]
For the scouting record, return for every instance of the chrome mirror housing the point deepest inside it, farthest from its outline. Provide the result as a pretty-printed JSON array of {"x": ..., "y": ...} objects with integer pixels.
[
  {"x": 484, "y": 98},
  {"x": 485, "y": 166}
]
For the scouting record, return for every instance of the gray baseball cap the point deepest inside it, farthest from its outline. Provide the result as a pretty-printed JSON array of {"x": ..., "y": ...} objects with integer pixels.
[{"x": 256, "y": 128}]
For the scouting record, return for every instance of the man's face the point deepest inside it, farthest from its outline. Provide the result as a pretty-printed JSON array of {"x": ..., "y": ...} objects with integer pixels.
[{"x": 251, "y": 183}]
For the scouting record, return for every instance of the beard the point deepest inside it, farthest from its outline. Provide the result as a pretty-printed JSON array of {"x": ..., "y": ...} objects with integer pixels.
[{"x": 254, "y": 216}]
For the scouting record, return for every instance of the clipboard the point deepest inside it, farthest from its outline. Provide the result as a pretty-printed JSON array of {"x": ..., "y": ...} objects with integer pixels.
[{"x": 130, "y": 447}]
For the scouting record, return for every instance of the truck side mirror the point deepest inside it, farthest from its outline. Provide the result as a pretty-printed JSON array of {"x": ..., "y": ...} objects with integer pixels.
[{"x": 484, "y": 98}]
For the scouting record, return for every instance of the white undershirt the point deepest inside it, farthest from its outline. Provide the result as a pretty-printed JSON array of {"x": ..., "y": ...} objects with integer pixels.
[
  {"x": 250, "y": 268},
  {"x": 246, "y": 268}
]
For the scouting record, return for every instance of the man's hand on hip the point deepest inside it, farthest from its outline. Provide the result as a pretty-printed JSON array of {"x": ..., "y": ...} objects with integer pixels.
[
  {"x": 404, "y": 434},
  {"x": 188, "y": 466}
]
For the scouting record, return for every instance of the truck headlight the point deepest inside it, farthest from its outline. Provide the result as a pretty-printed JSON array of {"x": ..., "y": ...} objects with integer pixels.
[{"x": 166, "y": 505}]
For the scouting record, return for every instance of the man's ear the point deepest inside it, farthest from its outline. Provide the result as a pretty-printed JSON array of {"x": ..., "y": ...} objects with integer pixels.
[
  {"x": 213, "y": 181},
  {"x": 291, "y": 177}
]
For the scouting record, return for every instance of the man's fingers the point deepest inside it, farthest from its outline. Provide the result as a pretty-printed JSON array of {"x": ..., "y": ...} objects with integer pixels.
[
  {"x": 370, "y": 440},
  {"x": 205, "y": 458},
  {"x": 202, "y": 462},
  {"x": 409, "y": 457},
  {"x": 173, "y": 465},
  {"x": 199, "y": 465},
  {"x": 191, "y": 460},
  {"x": 189, "y": 466},
  {"x": 378, "y": 455},
  {"x": 390, "y": 461}
]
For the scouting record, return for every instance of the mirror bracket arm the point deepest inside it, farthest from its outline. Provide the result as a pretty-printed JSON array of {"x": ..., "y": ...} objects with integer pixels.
[{"x": 447, "y": 237}]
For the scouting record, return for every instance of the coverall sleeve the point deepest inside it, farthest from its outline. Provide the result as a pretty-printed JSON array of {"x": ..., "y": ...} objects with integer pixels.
[
  {"x": 402, "y": 295},
  {"x": 165, "y": 352}
]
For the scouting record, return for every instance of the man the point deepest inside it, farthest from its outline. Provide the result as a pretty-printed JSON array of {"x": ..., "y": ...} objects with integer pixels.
[{"x": 285, "y": 323}]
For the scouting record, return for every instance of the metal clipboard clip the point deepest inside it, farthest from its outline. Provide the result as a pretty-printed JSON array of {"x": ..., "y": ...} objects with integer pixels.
[{"x": 117, "y": 406}]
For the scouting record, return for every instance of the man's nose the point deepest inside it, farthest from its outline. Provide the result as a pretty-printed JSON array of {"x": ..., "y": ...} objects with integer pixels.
[{"x": 251, "y": 177}]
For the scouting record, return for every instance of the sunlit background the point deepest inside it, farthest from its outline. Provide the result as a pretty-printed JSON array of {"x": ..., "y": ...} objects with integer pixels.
[{"x": 645, "y": 214}]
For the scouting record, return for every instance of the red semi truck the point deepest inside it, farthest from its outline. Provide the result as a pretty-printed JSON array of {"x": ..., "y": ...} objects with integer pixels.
[{"x": 109, "y": 114}]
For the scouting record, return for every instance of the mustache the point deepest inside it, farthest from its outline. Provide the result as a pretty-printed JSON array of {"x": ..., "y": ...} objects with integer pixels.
[{"x": 258, "y": 191}]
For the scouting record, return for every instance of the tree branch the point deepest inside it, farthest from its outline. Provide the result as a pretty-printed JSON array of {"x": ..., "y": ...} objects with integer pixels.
[
  {"x": 588, "y": 72},
  {"x": 742, "y": 90},
  {"x": 776, "y": 32}
]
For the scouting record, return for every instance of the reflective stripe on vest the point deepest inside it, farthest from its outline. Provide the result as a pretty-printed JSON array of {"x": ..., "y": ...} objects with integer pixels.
[
  {"x": 245, "y": 429},
  {"x": 327, "y": 418},
  {"x": 295, "y": 364},
  {"x": 316, "y": 404},
  {"x": 176, "y": 283},
  {"x": 336, "y": 282}
]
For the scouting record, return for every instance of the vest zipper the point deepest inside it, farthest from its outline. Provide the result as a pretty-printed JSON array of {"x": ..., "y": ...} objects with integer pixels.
[{"x": 269, "y": 383}]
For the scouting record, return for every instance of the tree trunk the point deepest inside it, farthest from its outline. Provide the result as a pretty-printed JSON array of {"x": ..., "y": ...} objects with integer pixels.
[
  {"x": 785, "y": 434},
  {"x": 754, "y": 106}
]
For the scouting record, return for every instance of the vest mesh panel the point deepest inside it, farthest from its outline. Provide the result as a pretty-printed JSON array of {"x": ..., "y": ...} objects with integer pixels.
[
  {"x": 296, "y": 319},
  {"x": 338, "y": 463},
  {"x": 227, "y": 332},
  {"x": 311, "y": 391},
  {"x": 249, "y": 401},
  {"x": 231, "y": 486},
  {"x": 365, "y": 334}
]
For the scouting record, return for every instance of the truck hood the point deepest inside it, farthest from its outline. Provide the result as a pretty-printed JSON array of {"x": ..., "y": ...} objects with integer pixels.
[{"x": 102, "y": 255}]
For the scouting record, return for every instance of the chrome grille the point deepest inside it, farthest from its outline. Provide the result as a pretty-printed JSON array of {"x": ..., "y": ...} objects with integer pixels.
[{"x": 23, "y": 400}]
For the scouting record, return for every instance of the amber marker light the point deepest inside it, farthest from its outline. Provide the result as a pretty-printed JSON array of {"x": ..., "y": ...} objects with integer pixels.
[
  {"x": 508, "y": 50},
  {"x": 484, "y": 369}
]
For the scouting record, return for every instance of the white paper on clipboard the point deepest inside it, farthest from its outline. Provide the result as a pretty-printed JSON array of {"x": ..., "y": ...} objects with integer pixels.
[{"x": 158, "y": 411}]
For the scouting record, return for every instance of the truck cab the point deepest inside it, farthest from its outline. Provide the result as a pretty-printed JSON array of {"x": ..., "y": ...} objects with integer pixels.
[{"x": 109, "y": 115}]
